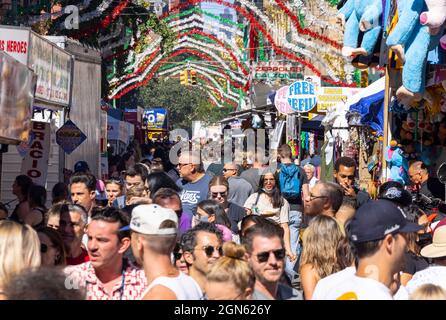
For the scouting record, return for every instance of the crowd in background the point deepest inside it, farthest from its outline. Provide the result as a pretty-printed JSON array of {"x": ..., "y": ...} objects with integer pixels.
[{"x": 221, "y": 230}]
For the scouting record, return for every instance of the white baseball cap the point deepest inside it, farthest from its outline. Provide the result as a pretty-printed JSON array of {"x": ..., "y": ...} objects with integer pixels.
[{"x": 147, "y": 218}]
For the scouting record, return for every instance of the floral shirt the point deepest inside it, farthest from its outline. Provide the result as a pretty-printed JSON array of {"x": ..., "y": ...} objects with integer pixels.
[{"x": 83, "y": 277}]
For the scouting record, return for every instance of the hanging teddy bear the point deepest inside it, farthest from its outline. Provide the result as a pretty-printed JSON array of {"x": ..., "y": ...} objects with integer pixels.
[
  {"x": 361, "y": 15},
  {"x": 397, "y": 163},
  {"x": 411, "y": 42},
  {"x": 435, "y": 17}
]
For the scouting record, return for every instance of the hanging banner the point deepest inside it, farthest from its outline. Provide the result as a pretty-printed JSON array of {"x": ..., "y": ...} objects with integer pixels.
[
  {"x": 35, "y": 162},
  {"x": 302, "y": 96},
  {"x": 69, "y": 137},
  {"x": 281, "y": 100},
  {"x": 331, "y": 97},
  {"x": 156, "y": 118},
  {"x": 278, "y": 70},
  {"x": 17, "y": 86},
  {"x": 15, "y": 42},
  {"x": 53, "y": 68}
]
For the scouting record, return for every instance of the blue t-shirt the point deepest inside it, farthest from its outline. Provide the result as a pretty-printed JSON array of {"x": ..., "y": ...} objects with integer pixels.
[{"x": 193, "y": 193}]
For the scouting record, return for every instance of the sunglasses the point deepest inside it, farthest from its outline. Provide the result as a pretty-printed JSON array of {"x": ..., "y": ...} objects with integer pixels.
[
  {"x": 43, "y": 248},
  {"x": 209, "y": 250},
  {"x": 279, "y": 254},
  {"x": 222, "y": 194},
  {"x": 225, "y": 170},
  {"x": 177, "y": 255}
]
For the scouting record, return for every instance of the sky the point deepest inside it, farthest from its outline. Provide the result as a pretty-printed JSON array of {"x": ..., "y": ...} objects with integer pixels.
[{"x": 216, "y": 9}]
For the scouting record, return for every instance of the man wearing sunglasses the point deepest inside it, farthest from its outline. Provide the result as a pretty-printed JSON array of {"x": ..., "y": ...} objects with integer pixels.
[
  {"x": 194, "y": 182},
  {"x": 202, "y": 247},
  {"x": 239, "y": 188},
  {"x": 266, "y": 256},
  {"x": 428, "y": 186}
]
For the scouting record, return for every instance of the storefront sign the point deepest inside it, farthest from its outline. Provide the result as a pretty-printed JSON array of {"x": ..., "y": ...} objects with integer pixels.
[
  {"x": 61, "y": 73},
  {"x": 302, "y": 96},
  {"x": 277, "y": 70},
  {"x": 331, "y": 97},
  {"x": 118, "y": 130},
  {"x": 156, "y": 118},
  {"x": 281, "y": 100},
  {"x": 53, "y": 68},
  {"x": 69, "y": 137},
  {"x": 35, "y": 162},
  {"x": 15, "y": 42},
  {"x": 17, "y": 85}
]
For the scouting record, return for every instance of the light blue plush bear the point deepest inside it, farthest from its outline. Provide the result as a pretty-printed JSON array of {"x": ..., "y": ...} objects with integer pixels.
[
  {"x": 397, "y": 163},
  {"x": 411, "y": 42},
  {"x": 361, "y": 15}
]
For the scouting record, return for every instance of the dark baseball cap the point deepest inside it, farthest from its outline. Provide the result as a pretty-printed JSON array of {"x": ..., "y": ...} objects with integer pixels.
[
  {"x": 376, "y": 219},
  {"x": 81, "y": 166},
  {"x": 396, "y": 193}
]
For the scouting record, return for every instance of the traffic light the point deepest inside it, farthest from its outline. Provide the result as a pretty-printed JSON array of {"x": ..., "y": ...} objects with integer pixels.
[
  {"x": 193, "y": 77},
  {"x": 184, "y": 77}
]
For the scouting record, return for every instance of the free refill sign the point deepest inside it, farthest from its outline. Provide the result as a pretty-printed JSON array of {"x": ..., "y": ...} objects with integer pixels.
[{"x": 302, "y": 96}]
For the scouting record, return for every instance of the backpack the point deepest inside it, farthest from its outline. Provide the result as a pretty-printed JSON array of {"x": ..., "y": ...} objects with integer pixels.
[{"x": 290, "y": 186}]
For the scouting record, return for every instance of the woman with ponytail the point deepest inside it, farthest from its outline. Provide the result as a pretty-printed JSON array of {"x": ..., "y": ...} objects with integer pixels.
[
  {"x": 231, "y": 278},
  {"x": 269, "y": 203}
]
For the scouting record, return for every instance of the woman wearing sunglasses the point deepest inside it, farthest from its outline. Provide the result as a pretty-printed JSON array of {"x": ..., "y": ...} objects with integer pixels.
[
  {"x": 211, "y": 211},
  {"x": 178, "y": 259},
  {"x": 231, "y": 278},
  {"x": 219, "y": 191},
  {"x": 269, "y": 203},
  {"x": 52, "y": 248}
]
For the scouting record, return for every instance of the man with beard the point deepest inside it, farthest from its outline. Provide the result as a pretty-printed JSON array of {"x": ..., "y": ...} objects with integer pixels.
[
  {"x": 108, "y": 275},
  {"x": 202, "y": 247},
  {"x": 266, "y": 256}
]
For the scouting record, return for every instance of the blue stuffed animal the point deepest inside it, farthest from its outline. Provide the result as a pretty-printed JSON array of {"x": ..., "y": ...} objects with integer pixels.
[
  {"x": 397, "y": 163},
  {"x": 411, "y": 42},
  {"x": 361, "y": 15}
]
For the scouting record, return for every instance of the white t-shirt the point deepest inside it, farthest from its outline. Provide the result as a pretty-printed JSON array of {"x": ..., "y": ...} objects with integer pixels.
[
  {"x": 312, "y": 182},
  {"x": 265, "y": 208},
  {"x": 326, "y": 284},
  {"x": 184, "y": 287},
  {"x": 434, "y": 274},
  {"x": 348, "y": 286}
]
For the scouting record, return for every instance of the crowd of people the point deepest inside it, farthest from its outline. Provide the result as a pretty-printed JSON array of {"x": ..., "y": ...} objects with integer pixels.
[{"x": 222, "y": 231}]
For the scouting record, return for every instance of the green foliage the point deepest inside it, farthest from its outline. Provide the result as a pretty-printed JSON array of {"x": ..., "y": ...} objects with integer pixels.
[
  {"x": 185, "y": 104},
  {"x": 162, "y": 28}
]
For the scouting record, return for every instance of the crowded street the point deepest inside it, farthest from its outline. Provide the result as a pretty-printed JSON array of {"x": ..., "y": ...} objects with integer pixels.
[{"x": 223, "y": 150}]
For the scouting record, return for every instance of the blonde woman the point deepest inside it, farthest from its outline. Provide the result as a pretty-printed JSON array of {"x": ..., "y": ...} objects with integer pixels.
[
  {"x": 428, "y": 291},
  {"x": 19, "y": 250},
  {"x": 319, "y": 256},
  {"x": 231, "y": 278}
]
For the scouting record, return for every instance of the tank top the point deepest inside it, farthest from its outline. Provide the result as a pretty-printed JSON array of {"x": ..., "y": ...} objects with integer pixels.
[{"x": 183, "y": 286}]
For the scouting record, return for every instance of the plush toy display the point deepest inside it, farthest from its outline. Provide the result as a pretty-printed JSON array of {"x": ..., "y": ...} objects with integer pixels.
[
  {"x": 411, "y": 42},
  {"x": 435, "y": 17},
  {"x": 397, "y": 163},
  {"x": 361, "y": 15}
]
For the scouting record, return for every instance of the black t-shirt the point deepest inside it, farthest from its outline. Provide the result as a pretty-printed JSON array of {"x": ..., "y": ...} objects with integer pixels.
[
  {"x": 235, "y": 215},
  {"x": 433, "y": 188},
  {"x": 413, "y": 263}
]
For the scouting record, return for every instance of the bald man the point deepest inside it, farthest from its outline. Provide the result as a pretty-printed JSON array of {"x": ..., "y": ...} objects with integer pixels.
[
  {"x": 193, "y": 182},
  {"x": 429, "y": 186}
]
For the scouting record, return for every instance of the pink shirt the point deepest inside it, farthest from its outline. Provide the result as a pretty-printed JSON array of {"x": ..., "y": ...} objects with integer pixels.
[{"x": 83, "y": 276}]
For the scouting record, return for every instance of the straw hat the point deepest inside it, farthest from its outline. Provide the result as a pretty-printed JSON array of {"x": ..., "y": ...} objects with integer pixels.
[{"x": 438, "y": 247}]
